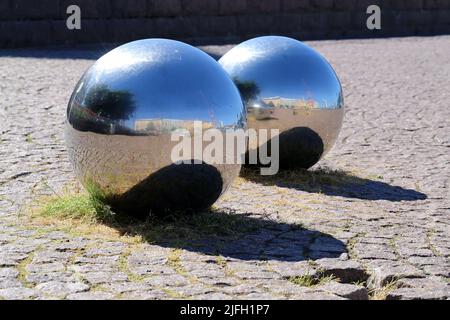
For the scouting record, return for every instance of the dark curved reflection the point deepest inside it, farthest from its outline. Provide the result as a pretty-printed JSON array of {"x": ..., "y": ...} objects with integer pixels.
[
  {"x": 334, "y": 183},
  {"x": 102, "y": 110},
  {"x": 248, "y": 89},
  {"x": 182, "y": 187},
  {"x": 299, "y": 147}
]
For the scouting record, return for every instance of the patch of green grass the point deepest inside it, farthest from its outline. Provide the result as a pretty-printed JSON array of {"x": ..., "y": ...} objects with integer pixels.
[
  {"x": 304, "y": 281},
  {"x": 82, "y": 213},
  {"x": 81, "y": 207}
]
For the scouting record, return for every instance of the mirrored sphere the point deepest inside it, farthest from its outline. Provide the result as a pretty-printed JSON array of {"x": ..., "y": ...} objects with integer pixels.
[
  {"x": 121, "y": 116},
  {"x": 287, "y": 85}
]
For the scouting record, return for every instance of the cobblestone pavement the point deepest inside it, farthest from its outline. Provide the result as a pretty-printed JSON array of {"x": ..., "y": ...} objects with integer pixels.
[{"x": 379, "y": 227}]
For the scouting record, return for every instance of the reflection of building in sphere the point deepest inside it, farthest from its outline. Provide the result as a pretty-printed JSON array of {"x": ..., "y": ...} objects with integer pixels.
[
  {"x": 287, "y": 103},
  {"x": 168, "y": 125}
]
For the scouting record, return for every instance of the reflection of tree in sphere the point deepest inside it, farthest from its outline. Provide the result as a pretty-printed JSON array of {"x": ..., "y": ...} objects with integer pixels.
[{"x": 114, "y": 105}]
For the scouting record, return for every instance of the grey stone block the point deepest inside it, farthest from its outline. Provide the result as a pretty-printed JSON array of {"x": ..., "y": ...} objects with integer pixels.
[
  {"x": 418, "y": 294},
  {"x": 295, "y": 6},
  {"x": 92, "y": 31},
  {"x": 314, "y": 21},
  {"x": 436, "y": 4},
  {"x": 254, "y": 24},
  {"x": 347, "y": 271},
  {"x": 5, "y": 10},
  {"x": 223, "y": 26},
  {"x": 322, "y": 5},
  {"x": 286, "y": 23},
  {"x": 129, "y": 8},
  {"x": 89, "y": 9},
  {"x": 164, "y": 8},
  {"x": 28, "y": 33},
  {"x": 361, "y": 5},
  {"x": 200, "y": 7},
  {"x": 182, "y": 27},
  {"x": 263, "y": 6},
  {"x": 339, "y": 20},
  {"x": 405, "y": 4},
  {"x": 27, "y": 9},
  {"x": 345, "y": 290},
  {"x": 234, "y": 7},
  {"x": 125, "y": 30}
]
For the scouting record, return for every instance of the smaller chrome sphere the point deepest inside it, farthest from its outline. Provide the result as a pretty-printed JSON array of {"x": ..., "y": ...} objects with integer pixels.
[
  {"x": 287, "y": 85},
  {"x": 121, "y": 117}
]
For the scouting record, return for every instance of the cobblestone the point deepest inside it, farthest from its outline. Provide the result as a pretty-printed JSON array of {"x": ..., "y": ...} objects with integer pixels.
[{"x": 383, "y": 220}]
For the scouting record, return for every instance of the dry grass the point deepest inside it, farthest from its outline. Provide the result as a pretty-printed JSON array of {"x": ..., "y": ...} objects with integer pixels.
[
  {"x": 382, "y": 292},
  {"x": 81, "y": 214},
  {"x": 310, "y": 179},
  {"x": 311, "y": 281}
]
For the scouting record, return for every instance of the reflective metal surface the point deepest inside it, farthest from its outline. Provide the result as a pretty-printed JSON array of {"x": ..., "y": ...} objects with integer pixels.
[
  {"x": 287, "y": 85},
  {"x": 121, "y": 116}
]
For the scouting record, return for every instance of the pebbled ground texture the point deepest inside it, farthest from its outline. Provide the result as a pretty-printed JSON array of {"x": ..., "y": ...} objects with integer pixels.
[{"x": 371, "y": 220}]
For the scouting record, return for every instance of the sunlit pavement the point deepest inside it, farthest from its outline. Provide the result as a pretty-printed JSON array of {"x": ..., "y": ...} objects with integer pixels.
[{"x": 371, "y": 219}]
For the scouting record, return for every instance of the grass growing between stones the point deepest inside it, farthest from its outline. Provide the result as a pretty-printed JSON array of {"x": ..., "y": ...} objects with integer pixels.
[
  {"x": 382, "y": 292},
  {"x": 81, "y": 214},
  {"x": 311, "y": 280}
]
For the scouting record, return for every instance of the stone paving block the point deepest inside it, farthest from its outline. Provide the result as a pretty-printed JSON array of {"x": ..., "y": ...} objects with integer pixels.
[
  {"x": 94, "y": 295},
  {"x": 26, "y": 9},
  {"x": 263, "y": 6},
  {"x": 8, "y": 273},
  {"x": 232, "y": 7},
  {"x": 18, "y": 293},
  {"x": 346, "y": 271},
  {"x": 438, "y": 270},
  {"x": 104, "y": 277},
  {"x": 98, "y": 9},
  {"x": 418, "y": 294},
  {"x": 293, "y": 269},
  {"x": 173, "y": 280},
  {"x": 200, "y": 7},
  {"x": 345, "y": 290},
  {"x": 164, "y": 8},
  {"x": 6, "y": 283},
  {"x": 295, "y": 5},
  {"x": 382, "y": 275},
  {"x": 55, "y": 288}
]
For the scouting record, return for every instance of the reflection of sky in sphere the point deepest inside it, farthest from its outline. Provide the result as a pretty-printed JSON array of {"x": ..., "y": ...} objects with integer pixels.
[
  {"x": 285, "y": 68},
  {"x": 169, "y": 80}
]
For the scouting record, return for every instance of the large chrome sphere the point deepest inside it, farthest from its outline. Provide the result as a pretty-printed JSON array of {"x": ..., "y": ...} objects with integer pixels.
[
  {"x": 287, "y": 85},
  {"x": 121, "y": 116}
]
